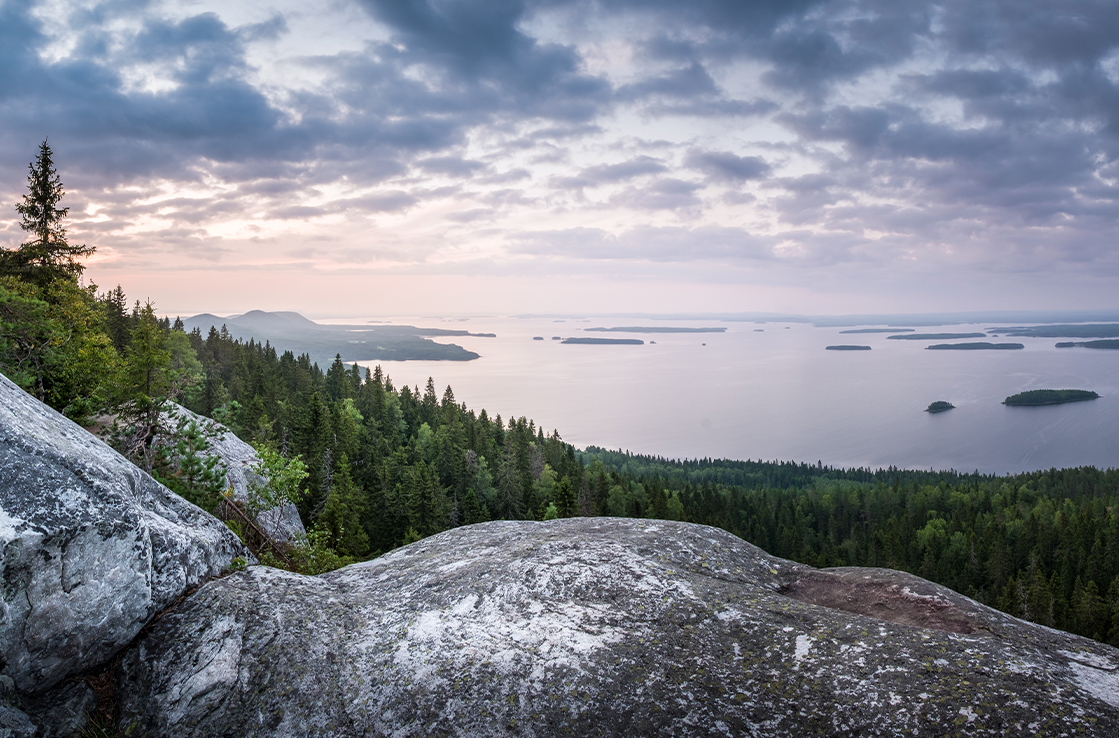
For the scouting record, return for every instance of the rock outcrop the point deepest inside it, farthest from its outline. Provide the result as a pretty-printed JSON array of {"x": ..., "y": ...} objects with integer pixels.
[
  {"x": 92, "y": 547},
  {"x": 603, "y": 627},
  {"x": 281, "y": 523}
]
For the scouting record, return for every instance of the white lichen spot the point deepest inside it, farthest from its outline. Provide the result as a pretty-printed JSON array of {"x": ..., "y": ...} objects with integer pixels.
[
  {"x": 800, "y": 650},
  {"x": 8, "y": 526},
  {"x": 1091, "y": 659},
  {"x": 1101, "y": 684},
  {"x": 969, "y": 713}
]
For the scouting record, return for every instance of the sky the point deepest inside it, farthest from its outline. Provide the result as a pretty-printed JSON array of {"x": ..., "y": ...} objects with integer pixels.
[{"x": 424, "y": 157}]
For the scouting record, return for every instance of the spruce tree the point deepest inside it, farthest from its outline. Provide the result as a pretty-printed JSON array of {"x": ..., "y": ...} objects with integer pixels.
[{"x": 47, "y": 256}]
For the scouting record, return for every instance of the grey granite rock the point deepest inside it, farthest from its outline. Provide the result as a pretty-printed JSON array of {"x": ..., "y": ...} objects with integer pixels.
[
  {"x": 91, "y": 546},
  {"x": 64, "y": 711},
  {"x": 14, "y": 723},
  {"x": 603, "y": 627},
  {"x": 282, "y": 523}
]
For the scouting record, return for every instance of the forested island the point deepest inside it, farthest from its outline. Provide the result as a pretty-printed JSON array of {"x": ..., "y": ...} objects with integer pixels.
[
  {"x": 1049, "y": 397},
  {"x": 940, "y": 406},
  {"x": 1094, "y": 330},
  {"x": 934, "y": 336},
  {"x": 1105, "y": 344},
  {"x": 879, "y": 330},
  {"x": 975, "y": 346},
  {"x": 605, "y": 341},
  {"x": 847, "y": 347},
  {"x": 657, "y": 329}
]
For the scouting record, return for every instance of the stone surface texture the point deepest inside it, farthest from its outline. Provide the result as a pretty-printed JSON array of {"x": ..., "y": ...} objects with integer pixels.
[
  {"x": 603, "y": 627},
  {"x": 92, "y": 547},
  {"x": 283, "y": 522}
]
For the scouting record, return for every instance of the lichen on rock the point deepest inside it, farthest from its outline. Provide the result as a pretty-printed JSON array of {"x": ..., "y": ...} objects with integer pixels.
[
  {"x": 603, "y": 627},
  {"x": 92, "y": 547}
]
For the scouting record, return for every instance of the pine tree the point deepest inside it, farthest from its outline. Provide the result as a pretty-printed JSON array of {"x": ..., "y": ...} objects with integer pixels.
[
  {"x": 342, "y": 513},
  {"x": 47, "y": 256}
]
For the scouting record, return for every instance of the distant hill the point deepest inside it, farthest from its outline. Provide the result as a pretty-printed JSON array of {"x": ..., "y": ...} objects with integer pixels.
[
  {"x": 279, "y": 320},
  {"x": 290, "y": 331}
]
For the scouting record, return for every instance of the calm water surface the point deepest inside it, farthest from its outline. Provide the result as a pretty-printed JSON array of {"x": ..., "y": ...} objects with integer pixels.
[{"x": 771, "y": 391}]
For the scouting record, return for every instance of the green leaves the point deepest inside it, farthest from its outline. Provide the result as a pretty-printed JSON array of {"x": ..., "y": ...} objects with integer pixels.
[
  {"x": 51, "y": 345},
  {"x": 283, "y": 480}
]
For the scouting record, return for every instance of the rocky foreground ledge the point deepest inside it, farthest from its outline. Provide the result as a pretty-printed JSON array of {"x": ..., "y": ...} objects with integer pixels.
[
  {"x": 603, "y": 627},
  {"x": 92, "y": 548}
]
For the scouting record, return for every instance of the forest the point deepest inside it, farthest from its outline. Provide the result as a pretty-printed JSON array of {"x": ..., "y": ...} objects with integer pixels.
[{"x": 373, "y": 466}]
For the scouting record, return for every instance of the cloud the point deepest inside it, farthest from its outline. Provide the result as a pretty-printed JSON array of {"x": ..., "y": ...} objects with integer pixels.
[
  {"x": 645, "y": 243},
  {"x": 602, "y": 174},
  {"x": 727, "y": 166},
  {"x": 871, "y": 132},
  {"x": 452, "y": 166},
  {"x": 667, "y": 193}
]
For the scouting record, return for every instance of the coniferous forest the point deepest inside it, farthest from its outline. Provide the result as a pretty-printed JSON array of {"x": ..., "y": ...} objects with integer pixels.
[{"x": 378, "y": 466}]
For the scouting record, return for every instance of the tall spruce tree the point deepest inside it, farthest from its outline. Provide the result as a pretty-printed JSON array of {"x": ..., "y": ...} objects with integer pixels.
[{"x": 47, "y": 256}]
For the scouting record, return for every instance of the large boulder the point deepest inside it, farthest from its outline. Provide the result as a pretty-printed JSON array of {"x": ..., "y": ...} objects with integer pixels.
[
  {"x": 281, "y": 523},
  {"x": 92, "y": 547},
  {"x": 603, "y": 627}
]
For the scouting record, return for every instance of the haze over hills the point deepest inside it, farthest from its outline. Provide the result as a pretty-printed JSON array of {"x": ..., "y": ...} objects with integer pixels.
[{"x": 290, "y": 331}]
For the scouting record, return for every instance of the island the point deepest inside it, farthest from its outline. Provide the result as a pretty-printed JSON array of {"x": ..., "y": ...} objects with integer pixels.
[
  {"x": 975, "y": 346},
  {"x": 656, "y": 329},
  {"x": 538, "y": 338},
  {"x": 1105, "y": 344},
  {"x": 1094, "y": 330},
  {"x": 935, "y": 336},
  {"x": 847, "y": 347},
  {"x": 878, "y": 330},
  {"x": 1049, "y": 397},
  {"x": 606, "y": 341},
  {"x": 939, "y": 406},
  {"x": 289, "y": 331}
]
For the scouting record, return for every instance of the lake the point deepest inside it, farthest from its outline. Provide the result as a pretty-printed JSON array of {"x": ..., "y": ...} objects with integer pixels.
[{"x": 771, "y": 391}]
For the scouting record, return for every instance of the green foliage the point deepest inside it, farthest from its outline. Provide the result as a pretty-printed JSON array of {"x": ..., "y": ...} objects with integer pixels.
[
  {"x": 52, "y": 345},
  {"x": 46, "y": 257},
  {"x": 282, "y": 480},
  {"x": 1050, "y": 397},
  {"x": 316, "y": 555},
  {"x": 342, "y": 514},
  {"x": 185, "y": 465}
]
